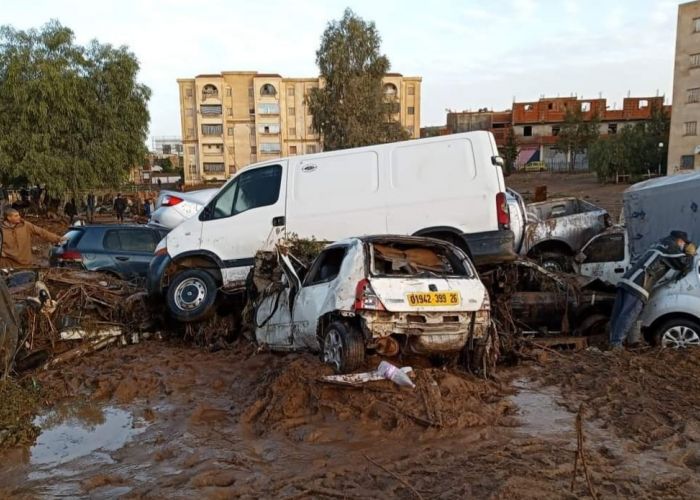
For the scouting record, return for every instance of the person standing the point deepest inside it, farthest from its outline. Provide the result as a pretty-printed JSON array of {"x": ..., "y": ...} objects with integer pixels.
[
  {"x": 147, "y": 208},
  {"x": 120, "y": 207},
  {"x": 91, "y": 207},
  {"x": 674, "y": 251},
  {"x": 17, "y": 240},
  {"x": 71, "y": 210}
]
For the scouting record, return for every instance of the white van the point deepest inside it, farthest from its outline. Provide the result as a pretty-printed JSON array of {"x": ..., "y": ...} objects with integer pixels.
[{"x": 449, "y": 187}]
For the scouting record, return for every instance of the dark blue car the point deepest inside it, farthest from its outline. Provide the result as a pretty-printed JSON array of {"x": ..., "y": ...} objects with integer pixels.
[{"x": 122, "y": 250}]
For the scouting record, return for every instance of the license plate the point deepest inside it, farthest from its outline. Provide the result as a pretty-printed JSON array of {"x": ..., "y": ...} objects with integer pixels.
[{"x": 428, "y": 299}]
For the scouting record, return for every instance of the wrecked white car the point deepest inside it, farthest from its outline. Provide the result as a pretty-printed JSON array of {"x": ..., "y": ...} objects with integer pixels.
[{"x": 387, "y": 294}]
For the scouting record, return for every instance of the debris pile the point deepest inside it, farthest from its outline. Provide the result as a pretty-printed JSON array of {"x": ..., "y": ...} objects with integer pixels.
[{"x": 64, "y": 314}]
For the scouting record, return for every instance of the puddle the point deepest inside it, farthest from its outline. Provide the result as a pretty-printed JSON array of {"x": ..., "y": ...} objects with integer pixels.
[
  {"x": 93, "y": 432},
  {"x": 539, "y": 412}
]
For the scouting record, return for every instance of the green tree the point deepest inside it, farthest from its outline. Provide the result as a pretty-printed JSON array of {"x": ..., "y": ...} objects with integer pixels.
[
  {"x": 634, "y": 150},
  {"x": 73, "y": 117},
  {"x": 576, "y": 135},
  {"x": 165, "y": 163},
  {"x": 351, "y": 108},
  {"x": 510, "y": 151}
]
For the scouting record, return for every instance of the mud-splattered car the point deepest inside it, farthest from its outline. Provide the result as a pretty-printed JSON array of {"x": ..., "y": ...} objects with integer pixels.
[{"x": 387, "y": 294}]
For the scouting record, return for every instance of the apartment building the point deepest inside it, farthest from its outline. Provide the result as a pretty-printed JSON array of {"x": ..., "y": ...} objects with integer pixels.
[
  {"x": 235, "y": 118},
  {"x": 684, "y": 142},
  {"x": 536, "y": 124}
]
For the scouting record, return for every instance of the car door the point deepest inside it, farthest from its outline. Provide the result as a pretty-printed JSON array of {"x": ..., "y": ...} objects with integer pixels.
[
  {"x": 131, "y": 250},
  {"x": 245, "y": 215},
  {"x": 605, "y": 257},
  {"x": 273, "y": 317}
]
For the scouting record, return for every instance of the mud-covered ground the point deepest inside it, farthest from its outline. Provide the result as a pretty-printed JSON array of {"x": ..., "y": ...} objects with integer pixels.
[{"x": 169, "y": 420}]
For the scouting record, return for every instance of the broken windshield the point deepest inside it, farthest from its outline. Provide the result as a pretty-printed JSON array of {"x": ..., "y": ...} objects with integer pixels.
[{"x": 410, "y": 259}]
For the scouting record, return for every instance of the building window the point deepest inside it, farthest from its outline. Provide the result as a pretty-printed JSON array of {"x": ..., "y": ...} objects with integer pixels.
[
  {"x": 193, "y": 169},
  {"x": 688, "y": 162},
  {"x": 210, "y": 109},
  {"x": 270, "y": 147},
  {"x": 189, "y": 112},
  {"x": 208, "y": 129},
  {"x": 290, "y": 91},
  {"x": 228, "y": 92},
  {"x": 292, "y": 150},
  {"x": 251, "y": 111},
  {"x": 212, "y": 168},
  {"x": 390, "y": 90},
  {"x": 209, "y": 90},
  {"x": 291, "y": 111},
  {"x": 310, "y": 148},
  {"x": 292, "y": 132},
  {"x": 268, "y": 90},
  {"x": 411, "y": 90},
  {"x": 271, "y": 108},
  {"x": 694, "y": 60},
  {"x": 269, "y": 129},
  {"x": 694, "y": 95},
  {"x": 529, "y": 107},
  {"x": 253, "y": 150},
  {"x": 585, "y": 107},
  {"x": 188, "y": 92},
  {"x": 696, "y": 25},
  {"x": 556, "y": 129},
  {"x": 190, "y": 150},
  {"x": 691, "y": 128},
  {"x": 190, "y": 132},
  {"x": 230, "y": 131},
  {"x": 612, "y": 128},
  {"x": 643, "y": 103},
  {"x": 251, "y": 92},
  {"x": 229, "y": 111},
  {"x": 527, "y": 130},
  {"x": 411, "y": 110}
]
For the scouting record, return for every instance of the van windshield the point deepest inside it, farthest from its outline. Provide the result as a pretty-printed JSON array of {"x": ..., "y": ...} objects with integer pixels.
[{"x": 399, "y": 259}]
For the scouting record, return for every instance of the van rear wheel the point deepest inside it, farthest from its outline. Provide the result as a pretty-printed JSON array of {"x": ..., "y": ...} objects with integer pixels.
[{"x": 191, "y": 296}]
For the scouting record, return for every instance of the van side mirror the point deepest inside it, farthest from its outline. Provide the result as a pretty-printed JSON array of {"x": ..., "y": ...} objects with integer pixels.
[
  {"x": 497, "y": 161},
  {"x": 580, "y": 258}
]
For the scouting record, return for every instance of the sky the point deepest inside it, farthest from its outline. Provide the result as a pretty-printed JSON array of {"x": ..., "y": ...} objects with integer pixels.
[{"x": 471, "y": 54}]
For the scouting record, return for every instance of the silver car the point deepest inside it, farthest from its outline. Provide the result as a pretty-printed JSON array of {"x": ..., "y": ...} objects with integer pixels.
[{"x": 173, "y": 207}]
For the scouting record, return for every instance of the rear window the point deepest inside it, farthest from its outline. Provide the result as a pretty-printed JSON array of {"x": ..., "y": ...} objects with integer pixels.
[
  {"x": 402, "y": 260},
  {"x": 73, "y": 236},
  {"x": 131, "y": 240}
]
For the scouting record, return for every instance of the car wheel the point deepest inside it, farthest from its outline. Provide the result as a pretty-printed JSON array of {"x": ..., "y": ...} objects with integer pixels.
[
  {"x": 678, "y": 334},
  {"x": 191, "y": 295},
  {"x": 343, "y": 347},
  {"x": 555, "y": 262}
]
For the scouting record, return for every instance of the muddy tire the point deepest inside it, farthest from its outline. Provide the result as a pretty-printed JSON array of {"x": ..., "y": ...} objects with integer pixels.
[
  {"x": 191, "y": 296},
  {"x": 343, "y": 347},
  {"x": 555, "y": 262},
  {"x": 677, "y": 333}
]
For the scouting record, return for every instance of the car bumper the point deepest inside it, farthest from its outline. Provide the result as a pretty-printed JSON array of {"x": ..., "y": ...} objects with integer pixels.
[
  {"x": 491, "y": 247},
  {"x": 167, "y": 217},
  {"x": 156, "y": 271}
]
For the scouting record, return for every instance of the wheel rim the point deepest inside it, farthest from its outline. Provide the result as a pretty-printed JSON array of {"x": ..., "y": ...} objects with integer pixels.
[
  {"x": 190, "y": 294},
  {"x": 552, "y": 266},
  {"x": 333, "y": 349},
  {"x": 680, "y": 337}
]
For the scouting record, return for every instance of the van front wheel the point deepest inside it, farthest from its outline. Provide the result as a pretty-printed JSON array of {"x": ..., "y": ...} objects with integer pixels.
[{"x": 191, "y": 296}]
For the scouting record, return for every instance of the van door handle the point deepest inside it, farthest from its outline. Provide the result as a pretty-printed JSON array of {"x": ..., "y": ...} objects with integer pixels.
[
  {"x": 619, "y": 270},
  {"x": 279, "y": 221},
  {"x": 121, "y": 257}
]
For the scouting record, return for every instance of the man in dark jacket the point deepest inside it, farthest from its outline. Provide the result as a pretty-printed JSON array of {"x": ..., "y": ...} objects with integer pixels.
[
  {"x": 672, "y": 252},
  {"x": 120, "y": 207}
]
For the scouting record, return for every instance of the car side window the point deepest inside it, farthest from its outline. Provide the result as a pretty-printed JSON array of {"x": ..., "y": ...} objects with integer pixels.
[
  {"x": 223, "y": 204},
  {"x": 111, "y": 241},
  {"x": 326, "y": 267},
  {"x": 607, "y": 248},
  {"x": 138, "y": 240},
  {"x": 258, "y": 188}
]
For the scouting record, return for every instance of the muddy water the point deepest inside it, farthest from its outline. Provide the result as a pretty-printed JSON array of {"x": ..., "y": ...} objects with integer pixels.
[{"x": 169, "y": 421}]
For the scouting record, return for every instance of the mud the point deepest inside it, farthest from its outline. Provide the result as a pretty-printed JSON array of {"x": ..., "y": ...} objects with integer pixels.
[{"x": 168, "y": 419}]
